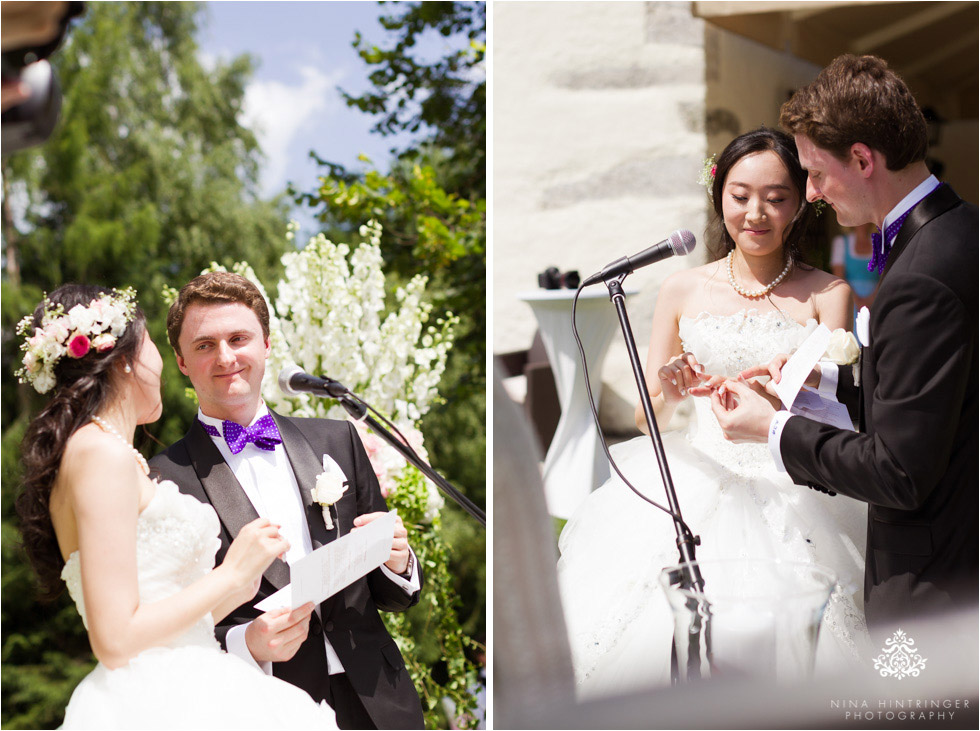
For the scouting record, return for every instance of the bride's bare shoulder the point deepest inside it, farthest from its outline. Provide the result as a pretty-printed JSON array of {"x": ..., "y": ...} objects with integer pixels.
[
  {"x": 820, "y": 281},
  {"x": 692, "y": 280},
  {"x": 90, "y": 455}
]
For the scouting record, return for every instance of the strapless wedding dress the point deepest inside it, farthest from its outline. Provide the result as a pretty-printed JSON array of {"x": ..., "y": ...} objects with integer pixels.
[
  {"x": 190, "y": 682},
  {"x": 732, "y": 496}
]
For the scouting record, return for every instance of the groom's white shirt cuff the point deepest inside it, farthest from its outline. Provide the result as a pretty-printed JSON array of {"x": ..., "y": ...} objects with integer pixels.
[
  {"x": 775, "y": 432},
  {"x": 828, "y": 380},
  {"x": 827, "y": 389},
  {"x": 409, "y": 585}
]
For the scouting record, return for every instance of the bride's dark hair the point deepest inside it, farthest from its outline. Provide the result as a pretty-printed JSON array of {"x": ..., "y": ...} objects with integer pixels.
[
  {"x": 801, "y": 229},
  {"x": 83, "y": 387}
]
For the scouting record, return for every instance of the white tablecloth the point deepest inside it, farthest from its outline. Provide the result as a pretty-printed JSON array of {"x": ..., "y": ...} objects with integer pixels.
[{"x": 575, "y": 464}]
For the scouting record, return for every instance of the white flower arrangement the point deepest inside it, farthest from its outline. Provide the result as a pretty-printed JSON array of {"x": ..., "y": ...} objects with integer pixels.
[
  {"x": 843, "y": 348},
  {"x": 74, "y": 334}
]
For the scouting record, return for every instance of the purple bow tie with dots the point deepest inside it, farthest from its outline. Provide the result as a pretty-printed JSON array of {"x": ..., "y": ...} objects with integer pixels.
[
  {"x": 881, "y": 246},
  {"x": 264, "y": 434}
]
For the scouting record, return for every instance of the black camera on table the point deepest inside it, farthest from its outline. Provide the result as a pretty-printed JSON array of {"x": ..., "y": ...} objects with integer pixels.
[
  {"x": 32, "y": 121},
  {"x": 553, "y": 278}
]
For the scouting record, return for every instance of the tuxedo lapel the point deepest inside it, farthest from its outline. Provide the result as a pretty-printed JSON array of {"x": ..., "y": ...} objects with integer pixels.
[
  {"x": 936, "y": 203},
  {"x": 225, "y": 493},
  {"x": 306, "y": 465}
]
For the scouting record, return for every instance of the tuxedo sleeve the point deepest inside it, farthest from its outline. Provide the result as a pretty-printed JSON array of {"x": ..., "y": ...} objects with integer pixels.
[
  {"x": 922, "y": 350},
  {"x": 389, "y": 595}
]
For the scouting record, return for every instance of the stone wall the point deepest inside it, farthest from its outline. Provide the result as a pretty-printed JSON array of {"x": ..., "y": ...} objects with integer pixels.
[{"x": 598, "y": 140}]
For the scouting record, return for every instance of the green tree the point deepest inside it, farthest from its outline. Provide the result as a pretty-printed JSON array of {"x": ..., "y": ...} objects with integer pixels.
[
  {"x": 148, "y": 178},
  {"x": 431, "y": 202},
  {"x": 432, "y": 205}
]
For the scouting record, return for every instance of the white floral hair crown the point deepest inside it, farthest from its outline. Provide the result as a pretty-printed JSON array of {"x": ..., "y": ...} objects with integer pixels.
[{"x": 74, "y": 334}]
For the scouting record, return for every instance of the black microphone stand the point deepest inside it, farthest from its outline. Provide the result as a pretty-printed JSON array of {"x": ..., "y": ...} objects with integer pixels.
[
  {"x": 685, "y": 541},
  {"x": 359, "y": 410}
]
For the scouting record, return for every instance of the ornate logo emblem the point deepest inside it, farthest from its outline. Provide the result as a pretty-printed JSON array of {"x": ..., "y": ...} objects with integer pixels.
[{"x": 899, "y": 658}]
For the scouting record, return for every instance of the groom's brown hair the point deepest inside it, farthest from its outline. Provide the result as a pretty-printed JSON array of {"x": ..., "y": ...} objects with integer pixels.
[
  {"x": 859, "y": 99},
  {"x": 215, "y": 288}
]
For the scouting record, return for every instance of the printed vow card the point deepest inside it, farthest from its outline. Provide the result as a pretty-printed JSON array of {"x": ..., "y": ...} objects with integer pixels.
[
  {"x": 804, "y": 402},
  {"x": 330, "y": 568}
]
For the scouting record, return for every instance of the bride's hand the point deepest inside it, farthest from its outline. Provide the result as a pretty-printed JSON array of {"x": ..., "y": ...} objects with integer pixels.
[
  {"x": 257, "y": 545},
  {"x": 679, "y": 376}
]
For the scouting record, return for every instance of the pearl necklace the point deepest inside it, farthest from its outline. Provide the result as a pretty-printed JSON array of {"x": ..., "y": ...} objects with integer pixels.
[
  {"x": 110, "y": 429},
  {"x": 759, "y": 292}
]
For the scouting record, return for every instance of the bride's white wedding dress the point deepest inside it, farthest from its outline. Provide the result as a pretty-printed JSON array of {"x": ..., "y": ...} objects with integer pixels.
[
  {"x": 191, "y": 682},
  {"x": 732, "y": 496}
]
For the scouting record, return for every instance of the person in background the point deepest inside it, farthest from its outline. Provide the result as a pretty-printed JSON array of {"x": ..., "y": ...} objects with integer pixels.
[{"x": 849, "y": 257}]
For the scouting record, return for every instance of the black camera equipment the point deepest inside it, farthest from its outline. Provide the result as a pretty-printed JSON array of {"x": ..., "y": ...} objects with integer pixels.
[
  {"x": 32, "y": 121},
  {"x": 552, "y": 278}
]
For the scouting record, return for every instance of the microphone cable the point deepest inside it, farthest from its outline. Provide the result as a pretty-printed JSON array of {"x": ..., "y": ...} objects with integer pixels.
[
  {"x": 464, "y": 502},
  {"x": 602, "y": 438}
]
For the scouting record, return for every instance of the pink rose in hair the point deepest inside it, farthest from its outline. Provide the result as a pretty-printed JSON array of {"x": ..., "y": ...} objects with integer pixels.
[
  {"x": 78, "y": 345},
  {"x": 104, "y": 342}
]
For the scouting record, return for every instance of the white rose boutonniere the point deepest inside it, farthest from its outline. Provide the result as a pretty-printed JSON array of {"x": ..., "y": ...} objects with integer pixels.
[
  {"x": 330, "y": 487},
  {"x": 843, "y": 348}
]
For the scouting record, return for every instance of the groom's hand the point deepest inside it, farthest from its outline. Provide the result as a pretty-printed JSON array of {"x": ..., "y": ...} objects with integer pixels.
[
  {"x": 743, "y": 411},
  {"x": 276, "y": 636},
  {"x": 774, "y": 369},
  {"x": 398, "y": 559}
]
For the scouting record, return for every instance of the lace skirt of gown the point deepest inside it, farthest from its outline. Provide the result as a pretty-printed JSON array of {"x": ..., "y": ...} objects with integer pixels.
[
  {"x": 613, "y": 548},
  {"x": 191, "y": 683}
]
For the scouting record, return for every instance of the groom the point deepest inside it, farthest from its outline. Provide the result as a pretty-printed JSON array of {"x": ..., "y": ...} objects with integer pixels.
[
  {"x": 862, "y": 139},
  {"x": 219, "y": 329}
]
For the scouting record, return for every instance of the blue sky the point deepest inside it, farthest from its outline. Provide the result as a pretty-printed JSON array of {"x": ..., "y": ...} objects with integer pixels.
[{"x": 303, "y": 53}]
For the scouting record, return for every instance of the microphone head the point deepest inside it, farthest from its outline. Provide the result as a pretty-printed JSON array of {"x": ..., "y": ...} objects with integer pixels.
[
  {"x": 682, "y": 242},
  {"x": 285, "y": 376}
]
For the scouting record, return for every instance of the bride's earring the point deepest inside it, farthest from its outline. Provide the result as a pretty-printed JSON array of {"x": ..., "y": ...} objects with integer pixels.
[{"x": 128, "y": 368}]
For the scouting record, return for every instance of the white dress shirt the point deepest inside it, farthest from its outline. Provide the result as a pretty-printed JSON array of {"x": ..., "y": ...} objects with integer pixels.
[
  {"x": 268, "y": 480},
  {"x": 828, "y": 370}
]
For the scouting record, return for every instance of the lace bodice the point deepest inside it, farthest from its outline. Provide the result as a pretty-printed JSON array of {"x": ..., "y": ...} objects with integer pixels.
[
  {"x": 176, "y": 541},
  {"x": 727, "y": 345}
]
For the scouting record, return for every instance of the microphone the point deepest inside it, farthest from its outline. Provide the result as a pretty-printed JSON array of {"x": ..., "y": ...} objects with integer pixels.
[
  {"x": 293, "y": 381},
  {"x": 680, "y": 243}
]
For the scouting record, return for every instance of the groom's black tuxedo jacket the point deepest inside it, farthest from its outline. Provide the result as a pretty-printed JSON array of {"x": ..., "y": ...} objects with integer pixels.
[
  {"x": 349, "y": 619},
  {"x": 915, "y": 459}
]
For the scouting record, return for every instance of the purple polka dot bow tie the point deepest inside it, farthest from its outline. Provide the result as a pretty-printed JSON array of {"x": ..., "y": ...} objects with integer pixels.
[
  {"x": 264, "y": 434},
  {"x": 881, "y": 246}
]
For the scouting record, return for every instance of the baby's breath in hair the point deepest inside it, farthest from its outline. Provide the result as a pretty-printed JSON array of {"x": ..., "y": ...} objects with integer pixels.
[{"x": 707, "y": 176}]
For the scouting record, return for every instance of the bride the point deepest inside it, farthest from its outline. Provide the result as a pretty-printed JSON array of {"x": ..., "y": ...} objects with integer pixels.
[
  {"x": 756, "y": 299},
  {"x": 136, "y": 555}
]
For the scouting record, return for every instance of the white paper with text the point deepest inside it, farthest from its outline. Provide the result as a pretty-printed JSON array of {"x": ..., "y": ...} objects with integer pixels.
[
  {"x": 330, "y": 568},
  {"x": 814, "y": 406},
  {"x": 798, "y": 367}
]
